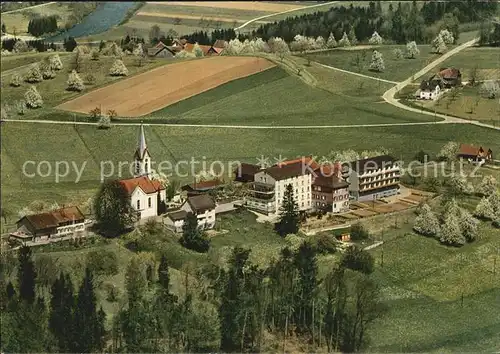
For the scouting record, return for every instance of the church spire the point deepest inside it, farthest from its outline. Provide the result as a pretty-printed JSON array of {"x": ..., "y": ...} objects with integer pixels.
[
  {"x": 142, "y": 157},
  {"x": 141, "y": 146}
]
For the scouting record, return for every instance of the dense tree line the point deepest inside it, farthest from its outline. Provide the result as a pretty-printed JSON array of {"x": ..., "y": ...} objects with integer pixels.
[
  {"x": 227, "y": 308},
  {"x": 39, "y": 45},
  {"x": 41, "y": 25},
  {"x": 401, "y": 23},
  {"x": 60, "y": 322}
]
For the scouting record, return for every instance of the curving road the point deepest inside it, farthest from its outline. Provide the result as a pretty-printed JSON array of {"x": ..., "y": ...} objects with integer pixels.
[
  {"x": 280, "y": 13},
  {"x": 388, "y": 96}
]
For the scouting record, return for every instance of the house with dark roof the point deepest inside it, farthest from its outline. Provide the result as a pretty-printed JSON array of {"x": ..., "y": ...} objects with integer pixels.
[
  {"x": 330, "y": 192},
  {"x": 430, "y": 89},
  {"x": 372, "y": 178},
  {"x": 203, "y": 206},
  {"x": 245, "y": 172},
  {"x": 161, "y": 50},
  {"x": 202, "y": 187},
  {"x": 475, "y": 154},
  {"x": 50, "y": 226},
  {"x": 269, "y": 185}
]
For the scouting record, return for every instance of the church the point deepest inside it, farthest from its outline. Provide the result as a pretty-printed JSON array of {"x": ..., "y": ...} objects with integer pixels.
[{"x": 146, "y": 193}]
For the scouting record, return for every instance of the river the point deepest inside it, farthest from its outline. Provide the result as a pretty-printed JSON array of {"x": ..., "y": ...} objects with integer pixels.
[{"x": 104, "y": 17}]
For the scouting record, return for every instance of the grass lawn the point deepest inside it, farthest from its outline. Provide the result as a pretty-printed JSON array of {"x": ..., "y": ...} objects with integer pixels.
[
  {"x": 86, "y": 144},
  {"x": 423, "y": 283},
  {"x": 17, "y": 22},
  {"x": 470, "y": 104},
  {"x": 485, "y": 59},
  {"x": 276, "y": 98},
  {"x": 54, "y": 91},
  {"x": 10, "y": 62},
  {"x": 395, "y": 69}
]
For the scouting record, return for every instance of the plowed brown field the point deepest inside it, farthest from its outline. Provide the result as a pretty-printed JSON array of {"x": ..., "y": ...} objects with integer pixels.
[
  {"x": 238, "y": 5},
  {"x": 158, "y": 88}
]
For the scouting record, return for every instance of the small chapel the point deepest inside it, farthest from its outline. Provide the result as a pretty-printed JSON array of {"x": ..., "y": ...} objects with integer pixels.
[{"x": 147, "y": 195}]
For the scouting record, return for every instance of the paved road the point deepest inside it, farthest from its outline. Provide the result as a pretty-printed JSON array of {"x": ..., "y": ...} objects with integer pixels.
[
  {"x": 27, "y": 8},
  {"x": 357, "y": 74},
  {"x": 388, "y": 96},
  {"x": 280, "y": 13},
  {"x": 269, "y": 127}
]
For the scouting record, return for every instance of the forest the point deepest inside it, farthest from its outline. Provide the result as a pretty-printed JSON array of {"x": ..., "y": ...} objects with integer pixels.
[
  {"x": 236, "y": 308},
  {"x": 401, "y": 23}
]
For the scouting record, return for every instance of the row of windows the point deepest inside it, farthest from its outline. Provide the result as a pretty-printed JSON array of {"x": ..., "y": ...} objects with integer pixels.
[
  {"x": 139, "y": 203},
  {"x": 378, "y": 178},
  {"x": 379, "y": 184}
]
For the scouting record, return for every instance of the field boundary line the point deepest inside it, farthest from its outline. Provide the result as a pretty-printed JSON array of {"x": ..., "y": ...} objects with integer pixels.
[
  {"x": 280, "y": 13},
  {"x": 357, "y": 74}
]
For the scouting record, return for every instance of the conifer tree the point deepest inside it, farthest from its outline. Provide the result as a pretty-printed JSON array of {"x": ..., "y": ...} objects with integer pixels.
[
  {"x": 307, "y": 270},
  {"x": 192, "y": 237},
  {"x": 352, "y": 37},
  {"x": 289, "y": 214},
  {"x": 88, "y": 322},
  {"x": 61, "y": 316},
  {"x": 26, "y": 275}
]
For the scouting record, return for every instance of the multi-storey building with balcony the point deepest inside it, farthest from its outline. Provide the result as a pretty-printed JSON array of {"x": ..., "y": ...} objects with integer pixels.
[
  {"x": 330, "y": 192},
  {"x": 372, "y": 178},
  {"x": 269, "y": 185}
]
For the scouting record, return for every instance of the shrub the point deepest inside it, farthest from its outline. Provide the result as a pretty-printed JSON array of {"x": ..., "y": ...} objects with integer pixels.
[
  {"x": 20, "y": 46},
  {"x": 326, "y": 244},
  {"x": 118, "y": 69},
  {"x": 95, "y": 114},
  {"x": 183, "y": 54},
  {"x": 357, "y": 259},
  {"x": 20, "y": 107},
  {"x": 55, "y": 62},
  {"x": 33, "y": 98},
  {"x": 75, "y": 83},
  {"x": 95, "y": 54},
  {"x": 15, "y": 81},
  {"x": 34, "y": 74},
  {"x": 398, "y": 53},
  {"x": 102, "y": 262},
  {"x": 112, "y": 291},
  {"x": 359, "y": 232},
  {"x": 104, "y": 122},
  {"x": 47, "y": 72},
  {"x": 198, "y": 52},
  {"x": 496, "y": 223},
  {"x": 90, "y": 79}
]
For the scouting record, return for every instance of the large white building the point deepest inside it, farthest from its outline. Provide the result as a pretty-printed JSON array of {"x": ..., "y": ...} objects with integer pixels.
[
  {"x": 145, "y": 193},
  {"x": 269, "y": 187}
]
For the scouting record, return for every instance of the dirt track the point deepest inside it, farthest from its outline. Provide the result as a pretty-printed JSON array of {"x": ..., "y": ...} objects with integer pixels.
[{"x": 158, "y": 88}]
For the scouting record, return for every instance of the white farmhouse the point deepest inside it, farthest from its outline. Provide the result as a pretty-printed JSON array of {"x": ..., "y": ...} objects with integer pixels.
[
  {"x": 202, "y": 206},
  {"x": 145, "y": 193},
  {"x": 430, "y": 89}
]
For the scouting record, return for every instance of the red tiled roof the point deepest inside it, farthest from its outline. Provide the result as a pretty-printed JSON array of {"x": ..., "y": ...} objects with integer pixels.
[
  {"x": 147, "y": 185},
  {"x": 205, "y": 48},
  {"x": 449, "y": 73},
  {"x": 306, "y": 160},
  {"x": 470, "y": 150},
  {"x": 54, "y": 218}
]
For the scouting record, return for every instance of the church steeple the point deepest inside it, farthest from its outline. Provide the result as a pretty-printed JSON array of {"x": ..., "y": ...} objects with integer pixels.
[{"x": 141, "y": 156}]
